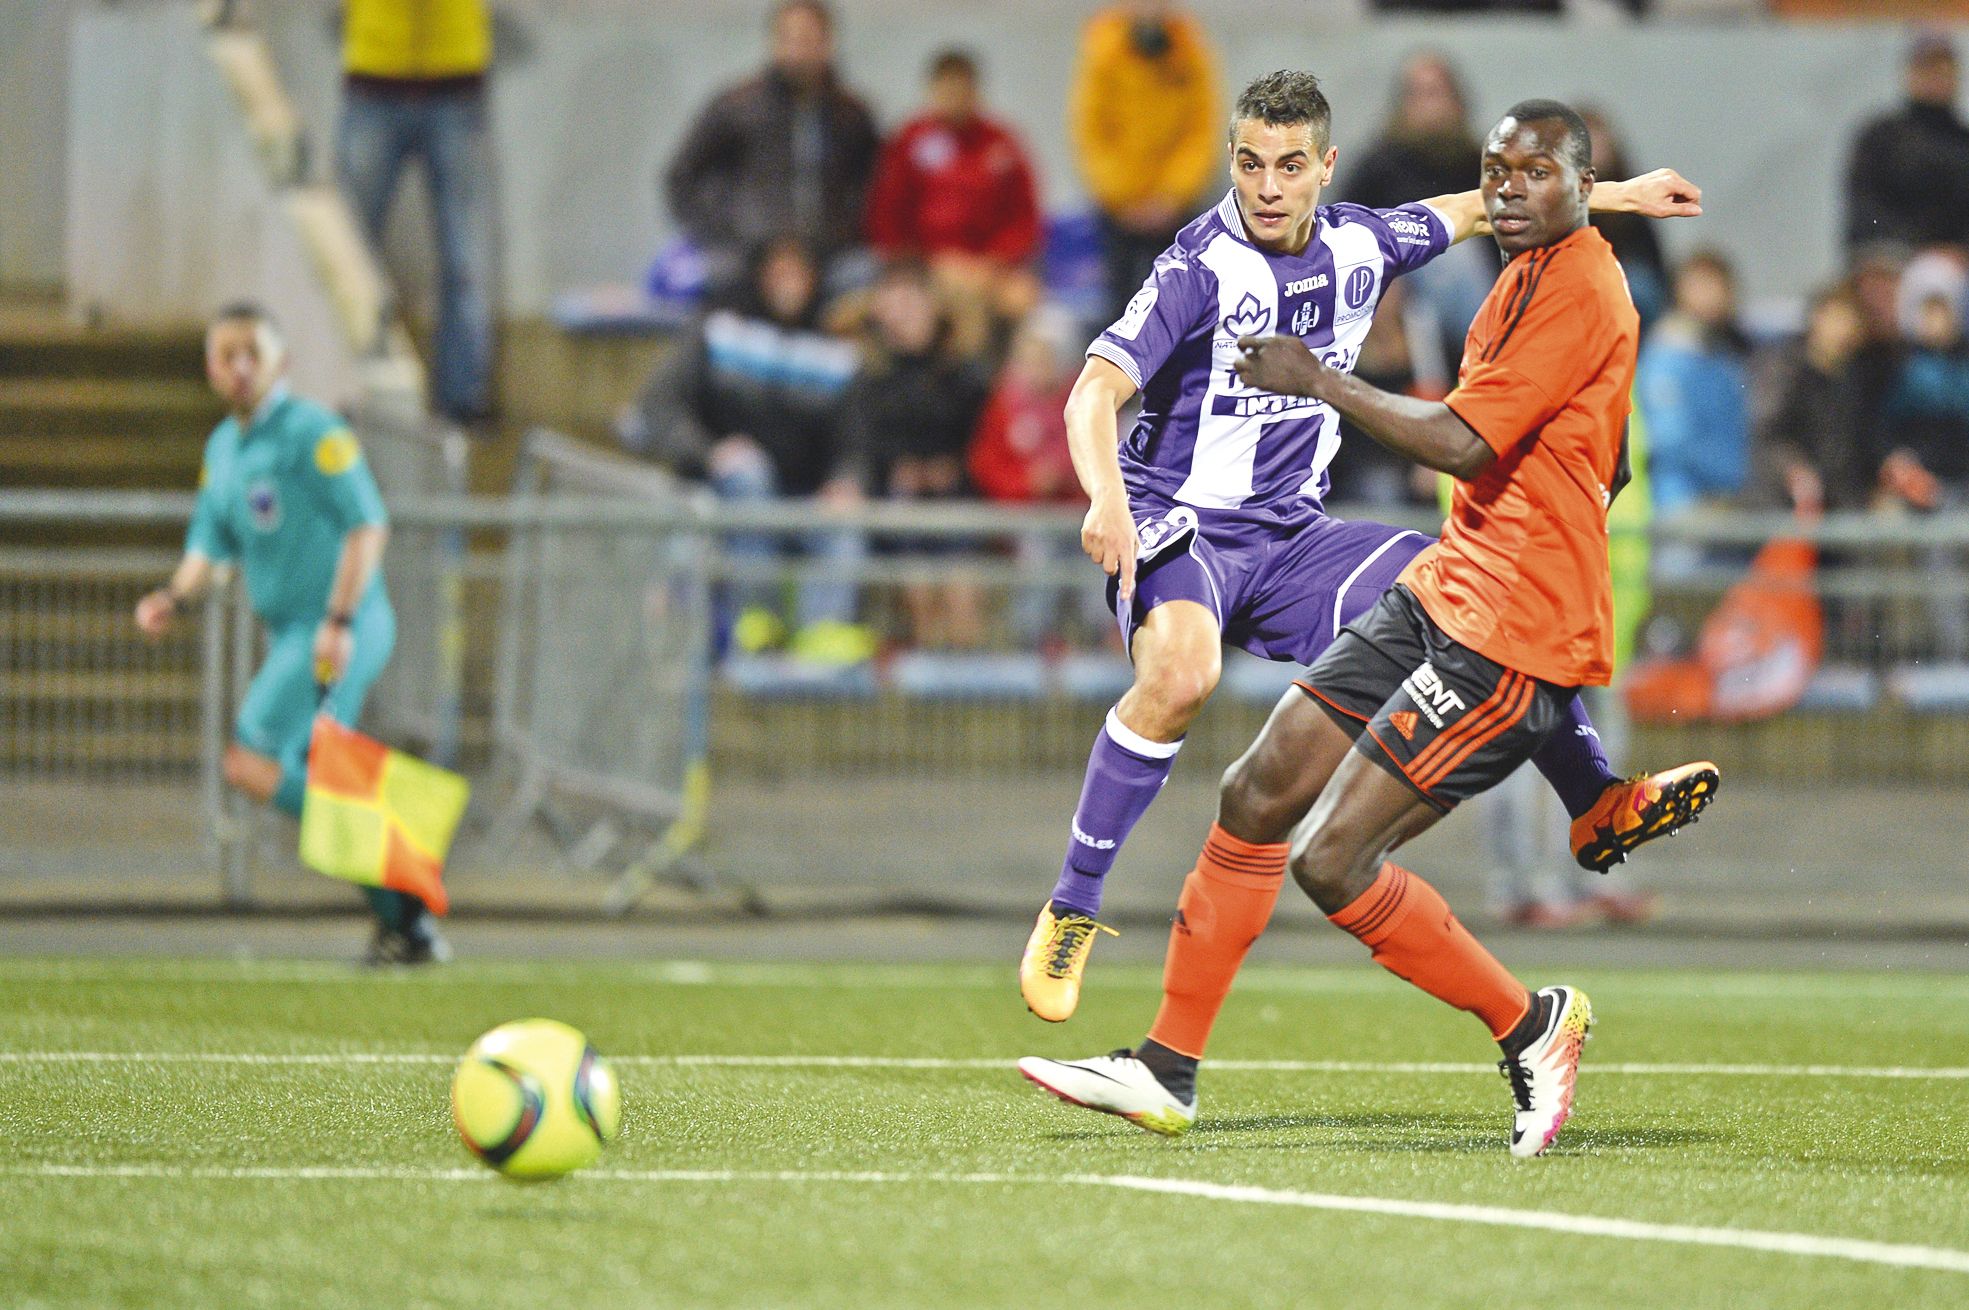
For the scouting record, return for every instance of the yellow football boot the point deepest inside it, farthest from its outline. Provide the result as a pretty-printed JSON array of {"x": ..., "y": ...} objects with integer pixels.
[
  {"x": 1640, "y": 810},
  {"x": 1056, "y": 955}
]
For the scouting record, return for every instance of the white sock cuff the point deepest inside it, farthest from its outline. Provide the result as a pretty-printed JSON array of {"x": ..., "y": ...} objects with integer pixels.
[{"x": 1130, "y": 740}]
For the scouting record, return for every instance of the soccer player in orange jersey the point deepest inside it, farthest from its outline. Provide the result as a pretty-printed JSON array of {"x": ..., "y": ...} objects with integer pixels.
[{"x": 1455, "y": 677}]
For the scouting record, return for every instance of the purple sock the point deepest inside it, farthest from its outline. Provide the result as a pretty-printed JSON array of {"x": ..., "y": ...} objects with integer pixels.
[
  {"x": 1124, "y": 773},
  {"x": 1574, "y": 761}
]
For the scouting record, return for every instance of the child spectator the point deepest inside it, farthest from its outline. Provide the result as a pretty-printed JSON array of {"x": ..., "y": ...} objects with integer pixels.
[
  {"x": 747, "y": 403},
  {"x": 1019, "y": 455},
  {"x": 1810, "y": 451},
  {"x": 1694, "y": 389},
  {"x": 906, "y": 419}
]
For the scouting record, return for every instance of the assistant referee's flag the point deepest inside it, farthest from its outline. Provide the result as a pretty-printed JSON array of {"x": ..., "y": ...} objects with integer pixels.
[{"x": 377, "y": 816}]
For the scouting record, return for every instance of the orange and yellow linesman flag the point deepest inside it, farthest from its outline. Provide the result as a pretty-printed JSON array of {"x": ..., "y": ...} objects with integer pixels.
[{"x": 377, "y": 816}]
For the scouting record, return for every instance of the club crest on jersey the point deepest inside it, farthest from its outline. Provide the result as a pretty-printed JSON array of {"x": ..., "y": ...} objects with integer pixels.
[
  {"x": 263, "y": 503},
  {"x": 1305, "y": 319},
  {"x": 1249, "y": 319},
  {"x": 1435, "y": 699}
]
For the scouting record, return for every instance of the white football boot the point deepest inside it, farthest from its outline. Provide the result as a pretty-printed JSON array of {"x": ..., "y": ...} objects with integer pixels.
[
  {"x": 1543, "y": 1075},
  {"x": 1114, "y": 1084}
]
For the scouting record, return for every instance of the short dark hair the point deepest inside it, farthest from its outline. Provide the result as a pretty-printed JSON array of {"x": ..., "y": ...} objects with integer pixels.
[
  {"x": 247, "y": 311},
  {"x": 1286, "y": 98},
  {"x": 954, "y": 59},
  {"x": 1579, "y": 137}
]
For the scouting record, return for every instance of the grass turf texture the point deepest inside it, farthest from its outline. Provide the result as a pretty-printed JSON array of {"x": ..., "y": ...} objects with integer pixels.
[{"x": 1880, "y": 1159}]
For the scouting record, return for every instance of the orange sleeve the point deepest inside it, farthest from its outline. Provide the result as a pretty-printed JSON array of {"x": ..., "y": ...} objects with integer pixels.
[{"x": 1542, "y": 352}]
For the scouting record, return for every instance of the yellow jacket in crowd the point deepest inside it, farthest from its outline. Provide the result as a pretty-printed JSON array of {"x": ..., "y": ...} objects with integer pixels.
[
  {"x": 416, "y": 39},
  {"x": 1146, "y": 128}
]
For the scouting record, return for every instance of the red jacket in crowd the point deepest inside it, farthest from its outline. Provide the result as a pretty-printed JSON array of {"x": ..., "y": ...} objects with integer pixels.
[
  {"x": 942, "y": 189},
  {"x": 1019, "y": 451}
]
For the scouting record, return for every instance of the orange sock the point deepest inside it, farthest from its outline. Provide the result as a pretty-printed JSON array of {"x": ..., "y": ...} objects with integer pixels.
[
  {"x": 1227, "y": 901},
  {"x": 1413, "y": 935}
]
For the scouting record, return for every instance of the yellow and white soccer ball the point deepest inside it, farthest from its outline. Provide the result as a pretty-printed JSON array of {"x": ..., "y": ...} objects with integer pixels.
[{"x": 534, "y": 1100}]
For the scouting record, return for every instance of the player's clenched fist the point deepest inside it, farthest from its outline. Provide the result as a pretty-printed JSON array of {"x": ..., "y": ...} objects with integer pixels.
[{"x": 1107, "y": 534}]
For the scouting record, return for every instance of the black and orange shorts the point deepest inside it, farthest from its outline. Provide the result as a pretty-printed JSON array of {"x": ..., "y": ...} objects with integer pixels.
[{"x": 1437, "y": 715}]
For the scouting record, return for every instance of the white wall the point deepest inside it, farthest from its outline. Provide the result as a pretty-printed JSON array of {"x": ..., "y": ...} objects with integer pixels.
[
  {"x": 33, "y": 139},
  {"x": 591, "y": 95}
]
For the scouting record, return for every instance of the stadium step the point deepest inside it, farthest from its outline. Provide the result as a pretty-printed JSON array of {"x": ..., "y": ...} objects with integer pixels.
[
  {"x": 132, "y": 408},
  {"x": 160, "y": 461}
]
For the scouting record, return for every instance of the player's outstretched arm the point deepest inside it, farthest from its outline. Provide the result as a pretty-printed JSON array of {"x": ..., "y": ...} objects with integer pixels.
[
  {"x": 1426, "y": 431},
  {"x": 1094, "y": 441},
  {"x": 1663, "y": 193}
]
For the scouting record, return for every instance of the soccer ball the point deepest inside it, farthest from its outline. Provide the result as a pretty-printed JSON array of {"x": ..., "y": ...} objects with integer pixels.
[{"x": 534, "y": 1100}]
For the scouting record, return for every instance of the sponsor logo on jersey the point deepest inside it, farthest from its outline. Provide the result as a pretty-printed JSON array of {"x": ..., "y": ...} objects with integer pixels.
[
  {"x": 1425, "y": 687},
  {"x": 1404, "y": 721},
  {"x": 263, "y": 503},
  {"x": 1249, "y": 319},
  {"x": 1410, "y": 231},
  {"x": 1264, "y": 404},
  {"x": 1360, "y": 285},
  {"x": 1305, "y": 319},
  {"x": 1300, "y": 286}
]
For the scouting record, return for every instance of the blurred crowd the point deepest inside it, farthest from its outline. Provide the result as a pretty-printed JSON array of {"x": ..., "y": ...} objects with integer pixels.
[{"x": 878, "y": 320}]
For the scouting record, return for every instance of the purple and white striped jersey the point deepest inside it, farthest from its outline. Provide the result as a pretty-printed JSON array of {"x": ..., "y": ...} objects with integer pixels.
[{"x": 1206, "y": 439}]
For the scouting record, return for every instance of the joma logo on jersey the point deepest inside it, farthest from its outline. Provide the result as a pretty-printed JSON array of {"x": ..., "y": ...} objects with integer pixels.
[
  {"x": 1317, "y": 282},
  {"x": 1425, "y": 687}
]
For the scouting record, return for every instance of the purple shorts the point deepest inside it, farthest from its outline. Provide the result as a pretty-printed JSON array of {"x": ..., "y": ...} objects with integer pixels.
[{"x": 1281, "y": 578}]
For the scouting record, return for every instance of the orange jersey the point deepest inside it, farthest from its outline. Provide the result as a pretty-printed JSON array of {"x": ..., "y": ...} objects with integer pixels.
[{"x": 1521, "y": 572}]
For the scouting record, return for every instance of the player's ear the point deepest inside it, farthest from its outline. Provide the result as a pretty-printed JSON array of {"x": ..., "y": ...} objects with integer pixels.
[{"x": 1326, "y": 166}]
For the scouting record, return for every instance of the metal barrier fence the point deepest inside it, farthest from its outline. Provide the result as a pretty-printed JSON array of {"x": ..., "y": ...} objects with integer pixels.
[{"x": 575, "y": 661}]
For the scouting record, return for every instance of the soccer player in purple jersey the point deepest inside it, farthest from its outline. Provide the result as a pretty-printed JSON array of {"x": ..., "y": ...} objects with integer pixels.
[{"x": 1208, "y": 517}]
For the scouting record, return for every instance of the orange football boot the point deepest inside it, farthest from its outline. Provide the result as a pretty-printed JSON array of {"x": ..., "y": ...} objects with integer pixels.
[{"x": 1639, "y": 810}]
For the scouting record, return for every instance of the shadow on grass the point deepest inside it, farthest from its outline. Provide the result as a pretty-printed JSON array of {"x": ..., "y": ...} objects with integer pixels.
[{"x": 1427, "y": 1133}]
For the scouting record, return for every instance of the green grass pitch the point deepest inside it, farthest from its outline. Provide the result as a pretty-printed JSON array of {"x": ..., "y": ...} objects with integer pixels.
[{"x": 140, "y": 1170}]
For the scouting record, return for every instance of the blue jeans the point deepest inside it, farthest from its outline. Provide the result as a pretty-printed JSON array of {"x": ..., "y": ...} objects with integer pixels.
[
  {"x": 835, "y": 548},
  {"x": 377, "y": 134}
]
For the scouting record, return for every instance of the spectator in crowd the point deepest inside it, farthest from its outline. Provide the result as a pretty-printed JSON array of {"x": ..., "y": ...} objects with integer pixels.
[
  {"x": 1927, "y": 413},
  {"x": 1693, "y": 386},
  {"x": 1427, "y": 148},
  {"x": 414, "y": 86},
  {"x": 748, "y": 403},
  {"x": 954, "y": 189},
  {"x": 1365, "y": 472},
  {"x": 907, "y": 418},
  {"x": 1148, "y": 129},
  {"x": 1909, "y": 170},
  {"x": 1634, "y": 240},
  {"x": 1811, "y": 447},
  {"x": 1926, "y": 427},
  {"x": 788, "y": 151},
  {"x": 1019, "y": 455}
]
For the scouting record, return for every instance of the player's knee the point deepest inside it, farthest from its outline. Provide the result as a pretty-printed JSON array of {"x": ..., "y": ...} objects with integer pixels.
[
  {"x": 1251, "y": 806},
  {"x": 1327, "y": 862},
  {"x": 1176, "y": 689}
]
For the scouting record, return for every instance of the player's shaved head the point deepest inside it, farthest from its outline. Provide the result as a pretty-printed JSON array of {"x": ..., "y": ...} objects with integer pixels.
[
  {"x": 244, "y": 355},
  {"x": 1286, "y": 98},
  {"x": 1578, "y": 142}
]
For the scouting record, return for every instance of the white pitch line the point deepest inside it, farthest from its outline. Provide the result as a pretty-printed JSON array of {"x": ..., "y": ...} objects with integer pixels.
[
  {"x": 1945, "y": 1259},
  {"x": 1633, "y": 1068}
]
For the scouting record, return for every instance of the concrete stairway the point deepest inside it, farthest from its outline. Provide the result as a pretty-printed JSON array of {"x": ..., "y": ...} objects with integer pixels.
[{"x": 84, "y": 407}]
